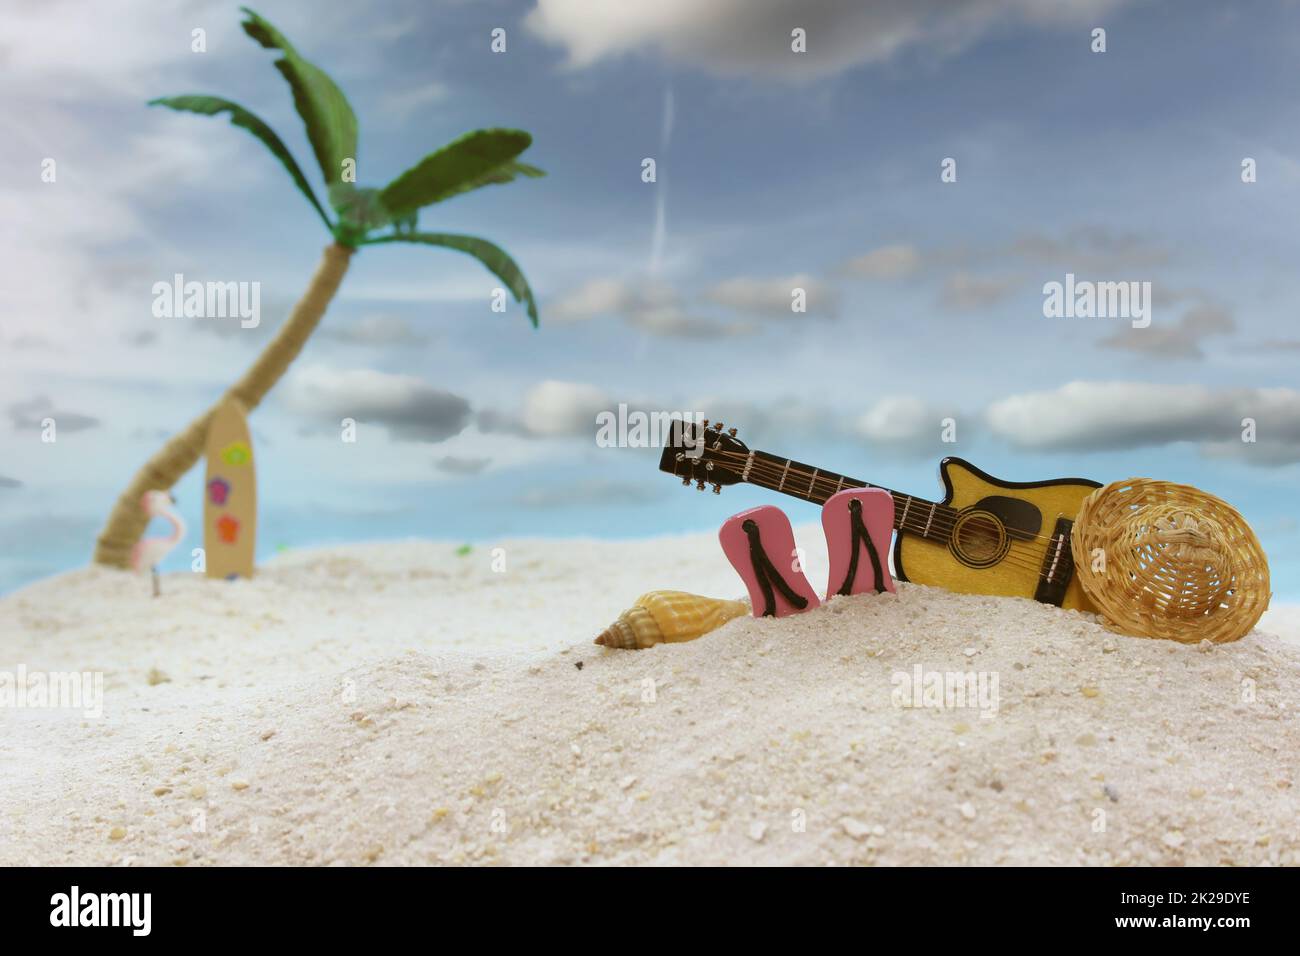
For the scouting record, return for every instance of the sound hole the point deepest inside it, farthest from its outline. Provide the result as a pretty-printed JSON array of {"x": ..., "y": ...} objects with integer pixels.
[{"x": 979, "y": 539}]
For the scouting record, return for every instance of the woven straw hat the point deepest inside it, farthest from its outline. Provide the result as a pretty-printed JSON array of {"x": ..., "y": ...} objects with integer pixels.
[{"x": 1170, "y": 561}]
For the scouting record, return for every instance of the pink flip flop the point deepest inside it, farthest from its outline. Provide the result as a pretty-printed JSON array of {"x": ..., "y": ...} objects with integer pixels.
[
  {"x": 760, "y": 546},
  {"x": 858, "y": 524}
]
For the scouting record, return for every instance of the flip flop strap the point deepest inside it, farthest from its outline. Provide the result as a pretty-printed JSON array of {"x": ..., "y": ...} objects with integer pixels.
[
  {"x": 767, "y": 574},
  {"x": 860, "y": 535}
]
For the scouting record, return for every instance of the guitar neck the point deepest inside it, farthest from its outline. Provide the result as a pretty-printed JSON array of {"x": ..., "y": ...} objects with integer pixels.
[{"x": 929, "y": 519}]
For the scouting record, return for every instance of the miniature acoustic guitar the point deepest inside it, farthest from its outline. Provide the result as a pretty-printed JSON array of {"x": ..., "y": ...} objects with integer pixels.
[{"x": 986, "y": 536}]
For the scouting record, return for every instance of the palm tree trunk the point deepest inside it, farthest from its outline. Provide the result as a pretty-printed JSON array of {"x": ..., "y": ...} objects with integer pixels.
[{"x": 127, "y": 521}]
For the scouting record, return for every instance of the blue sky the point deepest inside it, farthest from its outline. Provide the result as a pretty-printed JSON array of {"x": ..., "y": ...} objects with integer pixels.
[{"x": 775, "y": 169}]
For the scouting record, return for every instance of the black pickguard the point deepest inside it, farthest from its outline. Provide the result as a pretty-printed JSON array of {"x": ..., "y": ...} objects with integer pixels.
[
  {"x": 1022, "y": 519},
  {"x": 1017, "y": 517}
]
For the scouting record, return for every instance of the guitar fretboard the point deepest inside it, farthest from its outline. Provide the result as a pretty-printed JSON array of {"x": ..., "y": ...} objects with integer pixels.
[{"x": 929, "y": 519}]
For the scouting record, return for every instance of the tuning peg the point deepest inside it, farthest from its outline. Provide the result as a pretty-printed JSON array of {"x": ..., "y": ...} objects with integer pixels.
[
  {"x": 717, "y": 489},
  {"x": 687, "y": 480},
  {"x": 704, "y": 423},
  {"x": 717, "y": 427},
  {"x": 731, "y": 432},
  {"x": 700, "y": 485}
]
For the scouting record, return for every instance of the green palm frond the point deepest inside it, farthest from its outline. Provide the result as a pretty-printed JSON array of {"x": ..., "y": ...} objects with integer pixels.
[
  {"x": 331, "y": 124},
  {"x": 491, "y": 255},
  {"x": 213, "y": 105},
  {"x": 464, "y": 163},
  {"x": 505, "y": 173}
]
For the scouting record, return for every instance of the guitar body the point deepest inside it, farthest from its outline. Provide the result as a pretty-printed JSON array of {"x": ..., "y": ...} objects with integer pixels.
[{"x": 1001, "y": 538}]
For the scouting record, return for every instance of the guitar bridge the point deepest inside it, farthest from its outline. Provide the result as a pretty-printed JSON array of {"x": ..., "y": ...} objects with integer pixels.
[{"x": 1058, "y": 565}]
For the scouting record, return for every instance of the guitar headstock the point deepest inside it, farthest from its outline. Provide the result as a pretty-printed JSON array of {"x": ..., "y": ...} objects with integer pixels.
[{"x": 704, "y": 454}]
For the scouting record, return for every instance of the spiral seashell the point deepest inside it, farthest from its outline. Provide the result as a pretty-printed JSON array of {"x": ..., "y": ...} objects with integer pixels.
[{"x": 669, "y": 617}]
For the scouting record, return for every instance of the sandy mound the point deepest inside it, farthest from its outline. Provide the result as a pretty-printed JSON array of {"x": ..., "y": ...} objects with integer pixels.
[{"x": 408, "y": 705}]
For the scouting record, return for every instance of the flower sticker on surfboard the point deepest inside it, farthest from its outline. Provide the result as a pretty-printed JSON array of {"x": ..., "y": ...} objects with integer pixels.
[
  {"x": 218, "y": 491},
  {"x": 228, "y": 529},
  {"x": 237, "y": 453}
]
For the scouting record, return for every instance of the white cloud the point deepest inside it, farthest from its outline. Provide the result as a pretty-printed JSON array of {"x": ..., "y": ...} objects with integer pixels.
[
  {"x": 1180, "y": 340},
  {"x": 904, "y": 423},
  {"x": 967, "y": 292},
  {"x": 32, "y": 414},
  {"x": 1100, "y": 415},
  {"x": 896, "y": 261},
  {"x": 403, "y": 104},
  {"x": 88, "y": 49},
  {"x": 409, "y": 407},
  {"x": 377, "y": 329},
  {"x": 897, "y": 418},
  {"x": 1080, "y": 416},
  {"x": 673, "y": 322},
  {"x": 461, "y": 467},
  {"x": 754, "y": 36},
  {"x": 655, "y": 307},
  {"x": 1096, "y": 416},
  {"x": 553, "y": 408},
  {"x": 773, "y": 424},
  {"x": 898, "y": 425},
  {"x": 1091, "y": 249},
  {"x": 608, "y": 296},
  {"x": 773, "y": 297}
]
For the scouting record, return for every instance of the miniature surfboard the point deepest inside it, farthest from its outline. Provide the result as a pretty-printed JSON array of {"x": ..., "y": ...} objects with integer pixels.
[{"x": 229, "y": 495}]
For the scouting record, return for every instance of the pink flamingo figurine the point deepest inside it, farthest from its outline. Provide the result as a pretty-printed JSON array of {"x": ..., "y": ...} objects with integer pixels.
[{"x": 149, "y": 552}]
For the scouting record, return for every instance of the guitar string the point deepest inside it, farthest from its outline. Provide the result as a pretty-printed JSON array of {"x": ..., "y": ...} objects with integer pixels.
[
  {"x": 769, "y": 468},
  {"x": 942, "y": 522},
  {"x": 1017, "y": 548},
  {"x": 1018, "y": 553}
]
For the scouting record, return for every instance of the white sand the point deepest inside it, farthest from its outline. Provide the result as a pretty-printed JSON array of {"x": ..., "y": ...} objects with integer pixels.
[{"x": 405, "y": 705}]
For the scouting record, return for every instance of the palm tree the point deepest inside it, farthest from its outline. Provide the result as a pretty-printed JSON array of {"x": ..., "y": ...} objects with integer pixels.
[{"x": 480, "y": 158}]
